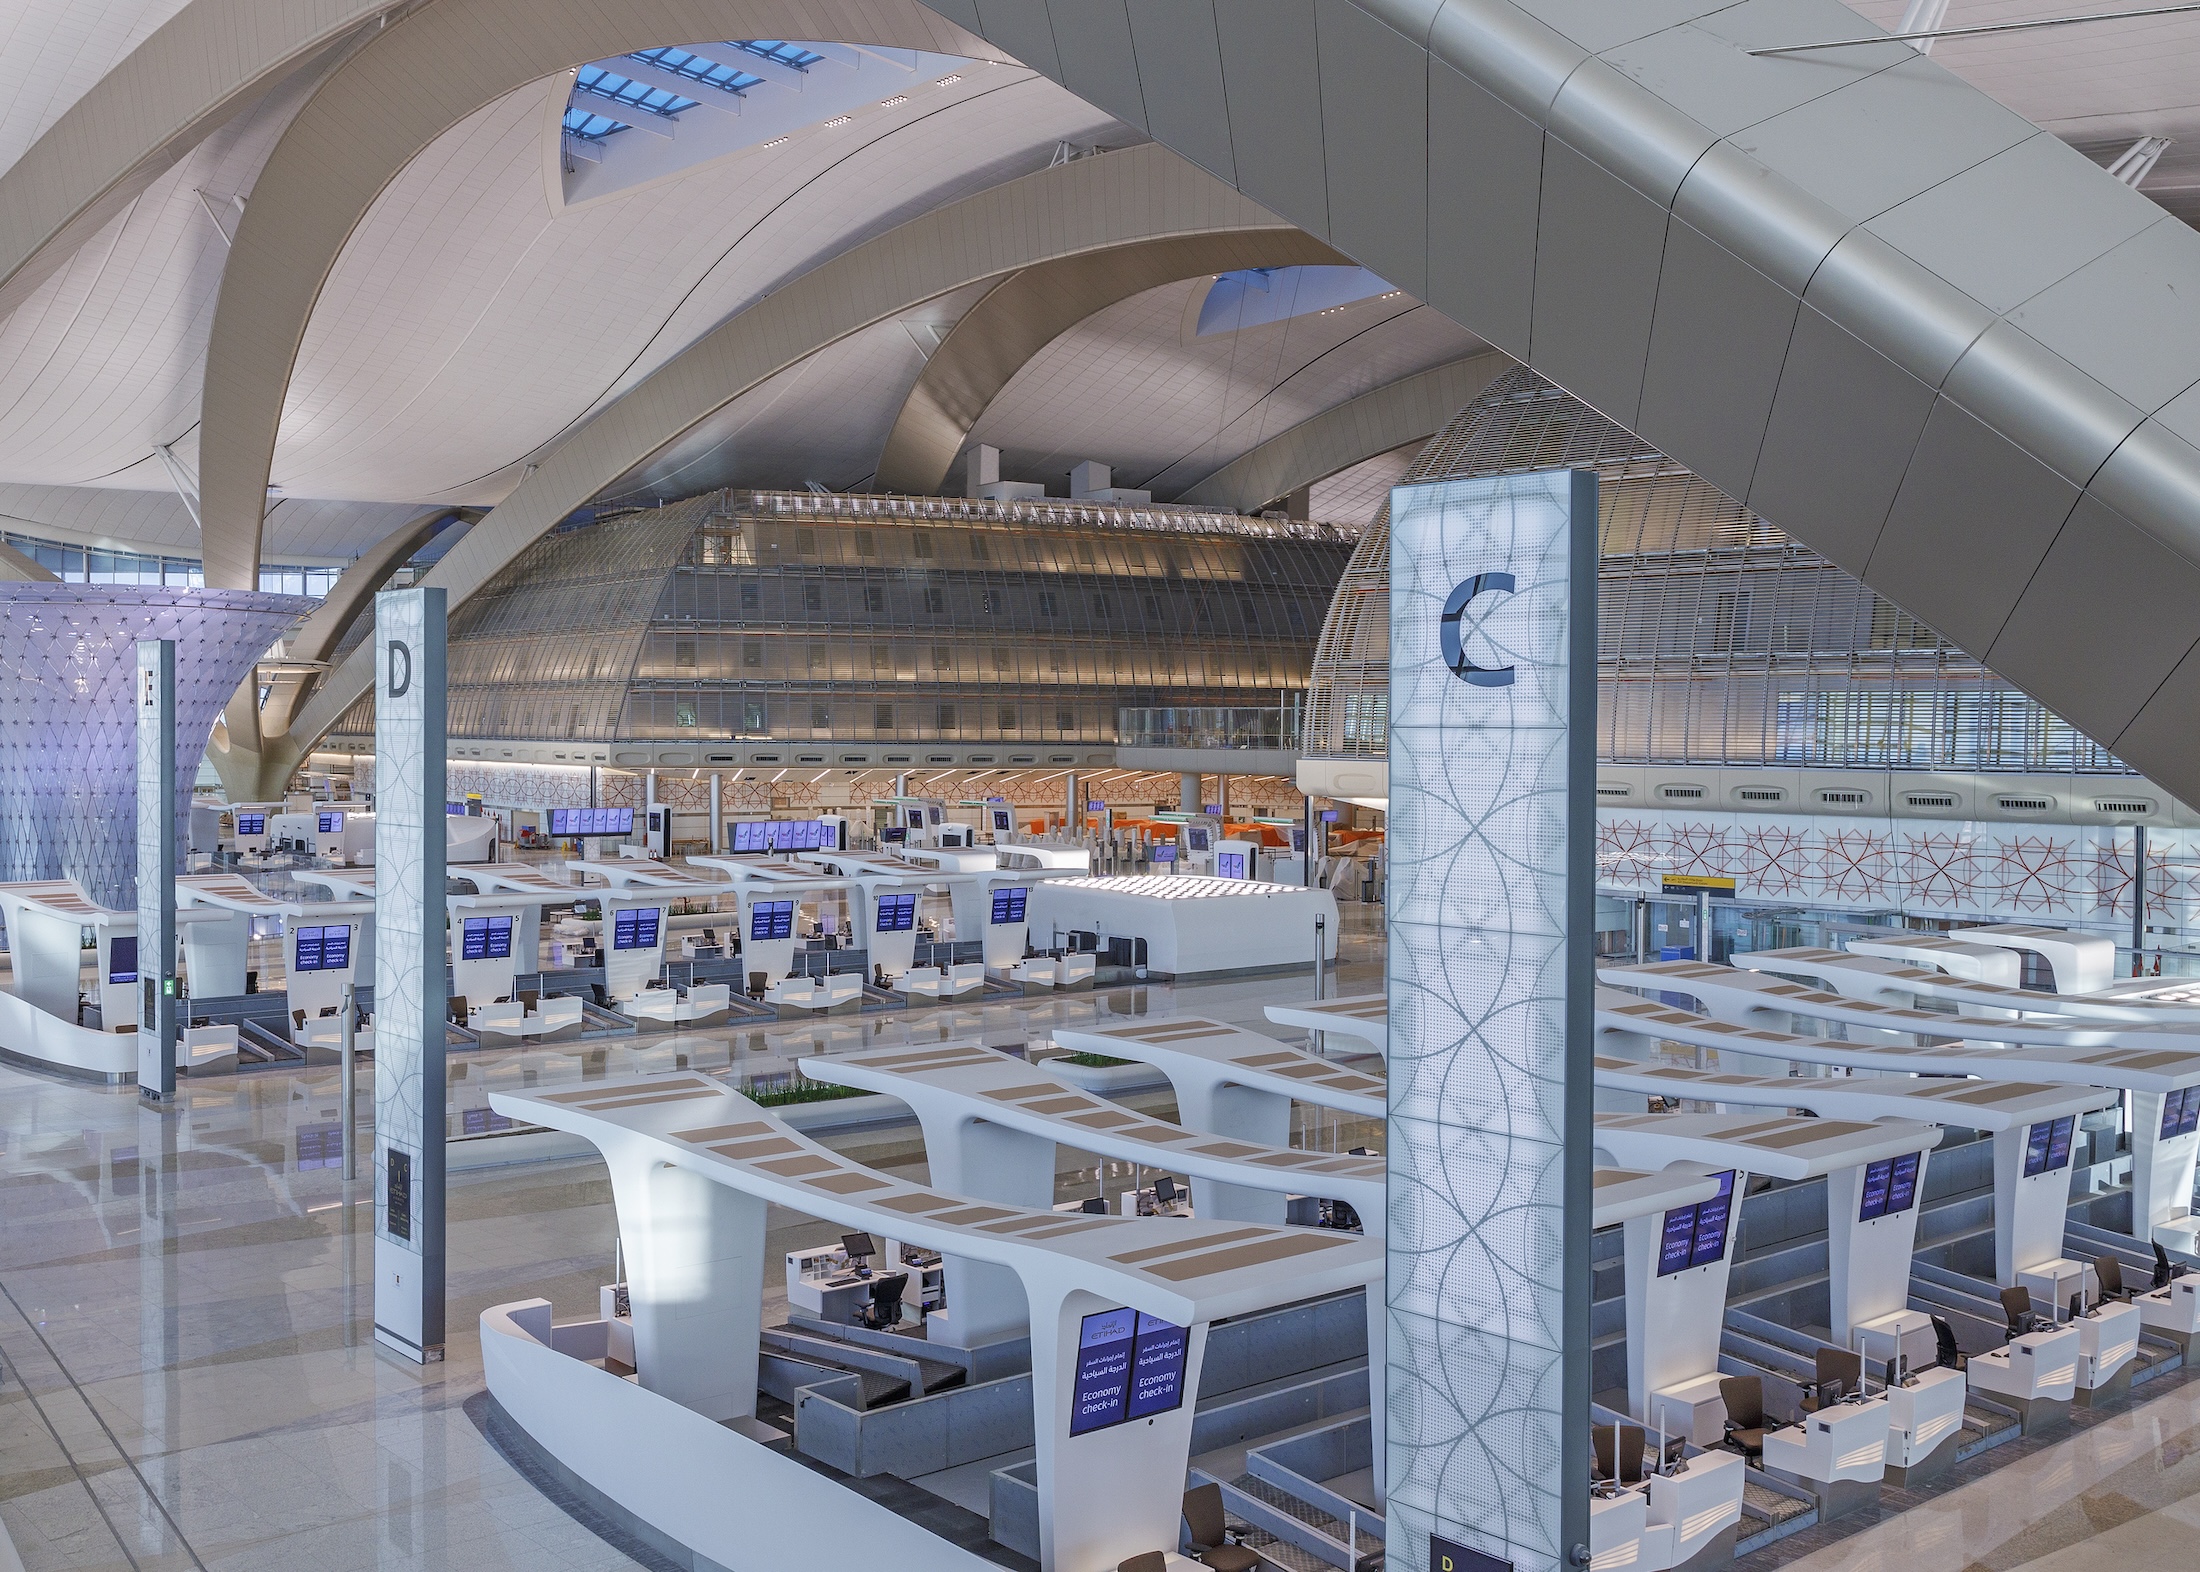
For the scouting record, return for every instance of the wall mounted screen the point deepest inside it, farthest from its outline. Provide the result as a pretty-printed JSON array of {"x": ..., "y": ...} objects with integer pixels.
[
  {"x": 2047, "y": 1145},
  {"x": 897, "y": 913},
  {"x": 771, "y": 920},
  {"x": 251, "y": 824},
  {"x": 749, "y": 837},
  {"x": 1696, "y": 1235},
  {"x": 570, "y": 822},
  {"x": 915, "y": 818},
  {"x": 330, "y": 823},
  {"x": 2058, "y": 1144},
  {"x": 2173, "y": 1115},
  {"x": 2191, "y": 1120},
  {"x": 1129, "y": 1365},
  {"x": 486, "y": 939},
  {"x": 1004, "y": 821},
  {"x": 1902, "y": 1184},
  {"x": 1009, "y": 905},
  {"x": 336, "y": 947},
  {"x": 122, "y": 958},
  {"x": 1196, "y": 838},
  {"x": 1877, "y": 1176},
  {"x": 306, "y": 950},
  {"x": 635, "y": 929}
]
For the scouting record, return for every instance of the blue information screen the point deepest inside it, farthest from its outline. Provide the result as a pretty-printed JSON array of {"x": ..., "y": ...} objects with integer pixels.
[
  {"x": 749, "y": 835},
  {"x": 1009, "y": 905},
  {"x": 335, "y": 947},
  {"x": 1229, "y": 865},
  {"x": 771, "y": 920},
  {"x": 1163, "y": 852},
  {"x": 1902, "y": 1183},
  {"x": 897, "y": 913},
  {"x": 2173, "y": 1115},
  {"x": 635, "y": 929},
  {"x": 331, "y": 823},
  {"x": 591, "y": 821},
  {"x": 486, "y": 939},
  {"x": 251, "y": 824},
  {"x": 1195, "y": 838},
  {"x": 1711, "y": 1221},
  {"x": 2191, "y": 1121},
  {"x": 2058, "y": 1142},
  {"x": 307, "y": 950},
  {"x": 2035, "y": 1147},
  {"x": 122, "y": 958},
  {"x": 1129, "y": 1365},
  {"x": 1677, "y": 1243}
]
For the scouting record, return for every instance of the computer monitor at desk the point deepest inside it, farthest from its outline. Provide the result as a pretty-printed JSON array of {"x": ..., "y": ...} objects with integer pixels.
[{"x": 859, "y": 1248}]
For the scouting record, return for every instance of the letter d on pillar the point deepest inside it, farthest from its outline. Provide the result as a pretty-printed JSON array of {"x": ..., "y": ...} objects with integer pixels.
[
  {"x": 1491, "y": 912},
  {"x": 410, "y": 989}
]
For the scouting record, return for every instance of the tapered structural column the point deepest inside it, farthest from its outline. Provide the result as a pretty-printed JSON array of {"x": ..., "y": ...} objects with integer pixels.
[
  {"x": 1491, "y": 911},
  {"x": 410, "y": 981},
  {"x": 156, "y": 869}
]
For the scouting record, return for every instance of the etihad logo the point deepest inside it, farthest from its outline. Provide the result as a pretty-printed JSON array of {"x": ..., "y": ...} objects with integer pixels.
[{"x": 1447, "y": 631}]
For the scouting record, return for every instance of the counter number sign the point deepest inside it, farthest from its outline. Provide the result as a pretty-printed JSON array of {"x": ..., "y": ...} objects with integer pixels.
[{"x": 1444, "y": 1556}]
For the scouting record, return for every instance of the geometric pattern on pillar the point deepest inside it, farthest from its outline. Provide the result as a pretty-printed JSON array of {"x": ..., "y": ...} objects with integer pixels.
[
  {"x": 1490, "y": 841},
  {"x": 68, "y": 721},
  {"x": 411, "y": 989}
]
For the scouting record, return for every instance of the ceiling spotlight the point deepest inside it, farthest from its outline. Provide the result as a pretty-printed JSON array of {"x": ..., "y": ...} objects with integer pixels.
[{"x": 838, "y": 120}]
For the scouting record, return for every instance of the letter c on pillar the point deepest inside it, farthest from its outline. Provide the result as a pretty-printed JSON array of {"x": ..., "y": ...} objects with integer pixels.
[{"x": 1448, "y": 631}]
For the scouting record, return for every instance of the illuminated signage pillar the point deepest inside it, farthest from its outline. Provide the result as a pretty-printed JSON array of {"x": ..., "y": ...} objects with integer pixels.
[
  {"x": 1491, "y": 916},
  {"x": 410, "y": 989},
  {"x": 156, "y": 869}
]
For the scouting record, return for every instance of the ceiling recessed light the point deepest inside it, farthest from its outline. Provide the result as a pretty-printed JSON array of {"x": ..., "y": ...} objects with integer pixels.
[
  {"x": 949, "y": 79},
  {"x": 838, "y": 120},
  {"x": 774, "y": 142},
  {"x": 898, "y": 98}
]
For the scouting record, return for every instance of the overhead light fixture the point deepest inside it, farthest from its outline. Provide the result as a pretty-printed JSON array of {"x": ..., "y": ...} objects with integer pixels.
[
  {"x": 774, "y": 142},
  {"x": 898, "y": 98},
  {"x": 838, "y": 120},
  {"x": 949, "y": 80}
]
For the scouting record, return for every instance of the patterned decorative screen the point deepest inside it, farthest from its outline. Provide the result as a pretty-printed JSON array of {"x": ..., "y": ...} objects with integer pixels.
[{"x": 1490, "y": 917}]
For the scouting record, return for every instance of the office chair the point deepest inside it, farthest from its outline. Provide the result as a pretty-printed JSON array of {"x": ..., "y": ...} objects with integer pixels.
[
  {"x": 1095, "y": 1206},
  {"x": 1839, "y": 1372},
  {"x": 1619, "y": 1452},
  {"x": 1144, "y": 1561},
  {"x": 458, "y": 1008},
  {"x": 883, "y": 1313},
  {"x": 1209, "y": 1535},
  {"x": 297, "y": 1021},
  {"x": 530, "y": 999},
  {"x": 758, "y": 983},
  {"x": 1673, "y": 1458},
  {"x": 2016, "y": 1304},
  {"x": 2164, "y": 1272},
  {"x": 1947, "y": 1355},
  {"x": 1744, "y": 1397}
]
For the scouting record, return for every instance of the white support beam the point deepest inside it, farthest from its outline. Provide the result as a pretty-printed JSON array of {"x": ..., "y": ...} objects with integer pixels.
[
  {"x": 672, "y": 82},
  {"x": 2137, "y": 161},
  {"x": 773, "y": 71},
  {"x": 626, "y": 114}
]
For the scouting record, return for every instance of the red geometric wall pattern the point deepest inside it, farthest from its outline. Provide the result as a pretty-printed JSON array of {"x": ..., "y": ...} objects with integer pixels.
[{"x": 1997, "y": 872}]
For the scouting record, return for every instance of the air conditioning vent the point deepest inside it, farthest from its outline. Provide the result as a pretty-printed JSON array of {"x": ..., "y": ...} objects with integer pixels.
[
  {"x": 1615, "y": 791},
  {"x": 715, "y": 758},
  {"x": 2023, "y": 804},
  {"x": 981, "y": 758},
  {"x": 939, "y": 758},
  {"x": 1762, "y": 793},
  {"x": 1061, "y": 758},
  {"x": 1844, "y": 799},
  {"x": 766, "y": 758},
  {"x": 897, "y": 758},
  {"x": 855, "y": 758},
  {"x": 2134, "y": 808},
  {"x": 809, "y": 758},
  {"x": 1926, "y": 799},
  {"x": 1681, "y": 793},
  {"x": 1023, "y": 758}
]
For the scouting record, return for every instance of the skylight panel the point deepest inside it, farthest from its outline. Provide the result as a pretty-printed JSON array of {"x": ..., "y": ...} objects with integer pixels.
[
  {"x": 588, "y": 126},
  {"x": 600, "y": 83},
  {"x": 699, "y": 68},
  {"x": 779, "y": 49}
]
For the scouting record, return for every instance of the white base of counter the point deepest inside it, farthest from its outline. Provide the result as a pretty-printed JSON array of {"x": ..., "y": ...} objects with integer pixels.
[
  {"x": 649, "y": 1461},
  {"x": 29, "y": 1036}
]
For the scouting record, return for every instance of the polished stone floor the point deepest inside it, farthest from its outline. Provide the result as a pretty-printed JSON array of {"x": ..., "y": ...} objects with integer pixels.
[
  {"x": 187, "y": 1378},
  {"x": 187, "y": 1375}
]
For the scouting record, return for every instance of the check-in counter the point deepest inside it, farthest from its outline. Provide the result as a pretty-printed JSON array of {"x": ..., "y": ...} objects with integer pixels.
[
  {"x": 2172, "y": 1312},
  {"x": 1691, "y": 1509},
  {"x": 1923, "y": 1417},
  {"x": 1618, "y": 1525},
  {"x": 1694, "y": 1409},
  {"x": 2036, "y": 1374},
  {"x": 2108, "y": 1344},
  {"x": 1838, "y": 1453}
]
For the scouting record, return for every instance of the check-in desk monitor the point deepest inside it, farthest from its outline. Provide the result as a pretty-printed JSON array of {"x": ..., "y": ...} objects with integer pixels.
[
  {"x": 1007, "y": 931},
  {"x": 896, "y": 913},
  {"x": 1693, "y": 1236},
  {"x": 1003, "y": 821},
  {"x": 485, "y": 938},
  {"x": 635, "y": 928},
  {"x": 1129, "y": 1365},
  {"x": 576, "y": 823},
  {"x": 320, "y": 965},
  {"x": 1890, "y": 1187},
  {"x": 1230, "y": 865},
  {"x": 2047, "y": 1145},
  {"x": 251, "y": 832}
]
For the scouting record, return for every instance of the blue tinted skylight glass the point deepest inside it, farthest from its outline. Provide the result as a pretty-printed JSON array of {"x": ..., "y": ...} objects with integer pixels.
[
  {"x": 590, "y": 126},
  {"x": 598, "y": 82},
  {"x": 780, "y": 50},
  {"x": 698, "y": 68}
]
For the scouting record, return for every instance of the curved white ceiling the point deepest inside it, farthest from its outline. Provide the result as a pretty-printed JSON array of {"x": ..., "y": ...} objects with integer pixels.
[
  {"x": 52, "y": 51},
  {"x": 476, "y": 317}
]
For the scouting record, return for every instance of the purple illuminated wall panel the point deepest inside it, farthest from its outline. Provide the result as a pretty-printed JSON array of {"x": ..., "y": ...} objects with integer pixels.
[{"x": 68, "y": 728}]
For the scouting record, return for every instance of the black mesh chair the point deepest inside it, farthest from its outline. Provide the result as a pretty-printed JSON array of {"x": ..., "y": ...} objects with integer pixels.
[
  {"x": 1947, "y": 1355},
  {"x": 883, "y": 1313},
  {"x": 1744, "y": 1397}
]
